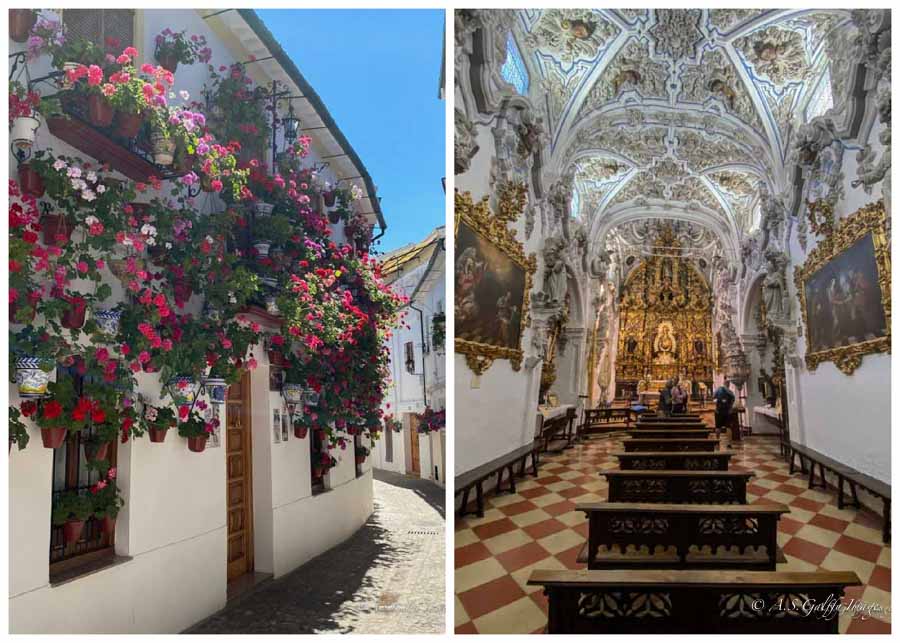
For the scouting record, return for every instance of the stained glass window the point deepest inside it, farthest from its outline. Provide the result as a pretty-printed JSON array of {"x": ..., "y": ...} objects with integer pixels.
[
  {"x": 576, "y": 204},
  {"x": 821, "y": 100},
  {"x": 513, "y": 70}
]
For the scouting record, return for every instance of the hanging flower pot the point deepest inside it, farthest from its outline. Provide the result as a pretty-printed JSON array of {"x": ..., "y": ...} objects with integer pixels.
[
  {"x": 182, "y": 290},
  {"x": 168, "y": 60},
  {"x": 311, "y": 397},
  {"x": 53, "y": 438},
  {"x": 216, "y": 386},
  {"x": 163, "y": 148},
  {"x": 100, "y": 111},
  {"x": 72, "y": 531},
  {"x": 73, "y": 318},
  {"x": 321, "y": 435},
  {"x": 108, "y": 525},
  {"x": 94, "y": 452},
  {"x": 30, "y": 181},
  {"x": 276, "y": 358},
  {"x": 262, "y": 248},
  {"x": 263, "y": 209},
  {"x": 182, "y": 390},
  {"x": 56, "y": 229},
  {"x": 334, "y": 216},
  {"x": 360, "y": 459},
  {"x": 197, "y": 443},
  {"x": 20, "y": 23},
  {"x": 31, "y": 379},
  {"x": 158, "y": 435},
  {"x": 22, "y": 132},
  {"x": 108, "y": 321},
  {"x": 128, "y": 124},
  {"x": 293, "y": 393},
  {"x": 329, "y": 197},
  {"x": 300, "y": 431}
]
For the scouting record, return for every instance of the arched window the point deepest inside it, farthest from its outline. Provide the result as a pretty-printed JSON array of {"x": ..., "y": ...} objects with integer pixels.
[
  {"x": 822, "y": 99},
  {"x": 576, "y": 204},
  {"x": 513, "y": 70}
]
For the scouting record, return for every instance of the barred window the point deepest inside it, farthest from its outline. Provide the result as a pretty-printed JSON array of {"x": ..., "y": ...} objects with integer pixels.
[
  {"x": 409, "y": 357},
  {"x": 101, "y": 25},
  {"x": 514, "y": 70}
]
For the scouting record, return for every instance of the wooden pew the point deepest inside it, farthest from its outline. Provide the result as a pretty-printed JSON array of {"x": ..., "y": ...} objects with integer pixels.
[
  {"x": 670, "y": 418},
  {"x": 672, "y": 460},
  {"x": 591, "y": 601},
  {"x": 600, "y": 419},
  {"x": 474, "y": 479},
  {"x": 669, "y": 444},
  {"x": 669, "y": 536},
  {"x": 704, "y": 487},
  {"x": 558, "y": 433},
  {"x": 672, "y": 425},
  {"x": 674, "y": 434}
]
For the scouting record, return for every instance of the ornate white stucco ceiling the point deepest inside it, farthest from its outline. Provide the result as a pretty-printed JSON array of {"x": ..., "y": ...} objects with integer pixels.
[{"x": 682, "y": 109}]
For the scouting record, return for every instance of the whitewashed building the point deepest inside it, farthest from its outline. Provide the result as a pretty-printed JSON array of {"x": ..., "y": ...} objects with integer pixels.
[
  {"x": 193, "y": 524},
  {"x": 418, "y": 350}
]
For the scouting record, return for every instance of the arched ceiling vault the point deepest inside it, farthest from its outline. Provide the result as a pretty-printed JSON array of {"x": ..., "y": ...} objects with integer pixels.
[{"x": 671, "y": 110}]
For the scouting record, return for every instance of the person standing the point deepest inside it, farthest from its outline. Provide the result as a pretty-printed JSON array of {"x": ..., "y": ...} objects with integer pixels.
[
  {"x": 665, "y": 399},
  {"x": 724, "y": 400},
  {"x": 679, "y": 398}
]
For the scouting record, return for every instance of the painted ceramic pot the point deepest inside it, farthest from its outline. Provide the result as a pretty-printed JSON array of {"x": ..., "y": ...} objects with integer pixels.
[
  {"x": 216, "y": 387},
  {"x": 108, "y": 321},
  {"x": 31, "y": 379},
  {"x": 292, "y": 393},
  {"x": 182, "y": 390}
]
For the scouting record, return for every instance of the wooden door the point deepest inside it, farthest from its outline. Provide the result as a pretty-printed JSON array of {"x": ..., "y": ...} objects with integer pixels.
[
  {"x": 414, "y": 465},
  {"x": 239, "y": 489}
]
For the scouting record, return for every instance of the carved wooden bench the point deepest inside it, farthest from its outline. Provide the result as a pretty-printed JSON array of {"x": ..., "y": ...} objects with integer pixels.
[
  {"x": 810, "y": 458},
  {"x": 474, "y": 479},
  {"x": 558, "y": 433},
  {"x": 682, "y": 419},
  {"x": 674, "y": 434},
  {"x": 591, "y": 601},
  {"x": 704, "y": 487},
  {"x": 668, "y": 444},
  {"x": 624, "y": 535},
  {"x": 601, "y": 418},
  {"x": 671, "y": 460}
]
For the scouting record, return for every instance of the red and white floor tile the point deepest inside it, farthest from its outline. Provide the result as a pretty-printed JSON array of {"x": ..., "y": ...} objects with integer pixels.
[{"x": 538, "y": 528}]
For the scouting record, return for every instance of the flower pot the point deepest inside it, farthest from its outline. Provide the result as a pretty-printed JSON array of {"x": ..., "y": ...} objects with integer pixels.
[
  {"x": 158, "y": 435},
  {"x": 301, "y": 431},
  {"x": 183, "y": 394},
  {"x": 94, "y": 452},
  {"x": 216, "y": 386},
  {"x": 128, "y": 125},
  {"x": 72, "y": 531},
  {"x": 329, "y": 197},
  {"x": 108, "y": 321},
  {"x": 276, "y": 358},
  {"x": 30, "y": 378},
  {"x": 169, "y": 60},
  {"x": 293, "y": 393},
  {"x": 54, "y": 438},
  {"x": 321, "y": 435},
  {"x": 108, "y": 525},
  {"x": 64, "y": 82},
  {"x": 163, "y": 148},
  {"x": 21, "y": 134},
  {"x": 56, "y": 229},
  {"x": 334, "y": 217},
  {"x": 30, "y": 181},
  {"x": 20, "y": 23},
  {"x": 263, "y": 209},
  {"x": 262, "y": 248},
  {"x": 182, "y": 291},
  {"x": 73, "y": 318},
  {"x": 197, "y": 444},
  {"x": 360, "y": 459},
  {"x": 100, "y": 111},
  {"x": 272, "y": 305},
  {"x": 318, "y": 472}
]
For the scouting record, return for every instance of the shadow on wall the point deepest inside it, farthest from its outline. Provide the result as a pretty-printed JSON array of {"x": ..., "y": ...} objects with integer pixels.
[{"x": 429, "y": 492}]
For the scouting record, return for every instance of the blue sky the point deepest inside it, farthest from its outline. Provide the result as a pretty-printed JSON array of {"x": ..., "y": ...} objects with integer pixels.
[{"x": 377, "y": 72}]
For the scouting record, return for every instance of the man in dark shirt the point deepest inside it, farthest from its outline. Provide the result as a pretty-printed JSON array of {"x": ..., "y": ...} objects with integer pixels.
[{"x": 724, "y": 399}]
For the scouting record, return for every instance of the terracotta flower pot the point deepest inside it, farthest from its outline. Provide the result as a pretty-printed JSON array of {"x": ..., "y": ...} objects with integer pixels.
[
  {"x": 128, "y": 125},
  {"x": 20, "y": 23},
  {"x": 108, "y": 525},
  {"x": 276, "y": 358},
  {"x": 72, "y": 531},
  {"x": 329, "y": 198},
  {"x": 320, "y": 435},
  {"x": 197, "y": 444},
  {"x": 158, "y": 435},
  {"x": 74, "y": 317},
  {"x": 334, "y": 217},
  {"x": 56, "y": 230},
  {"x": 182, "y": 290},
  {"x": 360, "y": 459},
  {"x": 94, "y": 452},
  {"x": 163, "y": 149},
  {"x": 30, "y": 181},
  {"x": 169, "y": 61},
  {"x": 100, "y": 111},
  {"x": 54, "y": 438},
  {"x": 318, "y": 472},
  {"x": 301, "y": 431}
]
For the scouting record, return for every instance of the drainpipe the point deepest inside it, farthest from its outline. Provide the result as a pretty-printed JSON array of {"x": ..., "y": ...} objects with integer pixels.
[{"x": 422, "y": 333}]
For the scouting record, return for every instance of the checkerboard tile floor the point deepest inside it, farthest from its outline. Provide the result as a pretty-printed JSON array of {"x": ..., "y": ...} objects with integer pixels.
[{"x": 538, "y": 528}]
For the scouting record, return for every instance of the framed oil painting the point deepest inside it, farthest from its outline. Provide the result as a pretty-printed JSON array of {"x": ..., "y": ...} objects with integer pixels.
[
  {"x": 844, "y": 289},
  {"x": 493, "y": 279}
]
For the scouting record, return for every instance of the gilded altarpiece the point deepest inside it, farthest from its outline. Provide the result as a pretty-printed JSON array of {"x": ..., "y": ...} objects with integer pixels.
[{"x": 665, "y": 321}]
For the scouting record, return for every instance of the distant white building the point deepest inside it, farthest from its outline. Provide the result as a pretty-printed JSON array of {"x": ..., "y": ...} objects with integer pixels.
[{"x": 417, "y": 360}]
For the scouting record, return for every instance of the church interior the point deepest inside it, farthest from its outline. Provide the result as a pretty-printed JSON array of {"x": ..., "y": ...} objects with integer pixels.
[{"x": 672, "y": 321}]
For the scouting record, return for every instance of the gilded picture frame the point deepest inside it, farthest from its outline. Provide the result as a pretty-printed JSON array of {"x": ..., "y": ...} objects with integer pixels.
[
  {"x": 825, "y": 267},
  {"x": 477, "y": 224}
]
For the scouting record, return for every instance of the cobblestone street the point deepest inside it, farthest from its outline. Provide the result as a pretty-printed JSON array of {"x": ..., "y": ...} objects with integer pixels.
[{"x": 388, "y": 578}]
